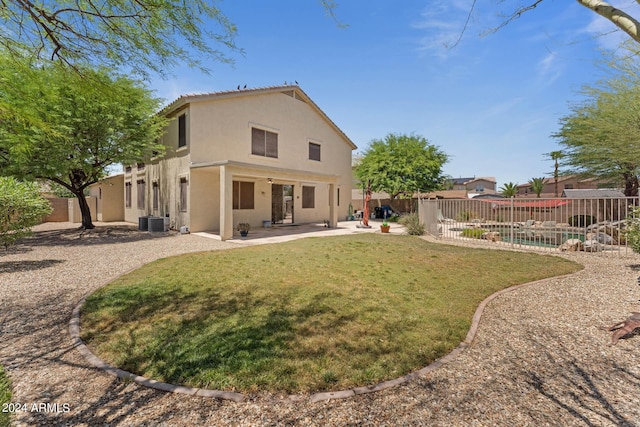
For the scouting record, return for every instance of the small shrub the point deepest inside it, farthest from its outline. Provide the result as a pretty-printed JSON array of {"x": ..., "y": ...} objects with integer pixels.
[
  {"x": 413, "y": 224},
  {"x": 329, "y": 377},
  {"x": 474, "y": 233},
  {"x": 633, "y": 230},
  {"x": 21, "y": 207},
  {"x": 465, "y": 216}
]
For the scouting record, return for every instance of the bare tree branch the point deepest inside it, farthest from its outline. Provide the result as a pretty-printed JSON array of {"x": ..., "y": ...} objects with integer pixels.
[
  {"x": 515, "y": 15},
  {"x": 466, "y": 24}
]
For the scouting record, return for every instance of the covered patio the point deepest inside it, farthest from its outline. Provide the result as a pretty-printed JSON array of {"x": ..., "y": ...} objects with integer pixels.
[{"x": 224, "y": 194}]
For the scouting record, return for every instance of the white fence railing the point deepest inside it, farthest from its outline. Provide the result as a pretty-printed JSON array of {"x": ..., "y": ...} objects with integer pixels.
[{"x": 550, "y": 225}]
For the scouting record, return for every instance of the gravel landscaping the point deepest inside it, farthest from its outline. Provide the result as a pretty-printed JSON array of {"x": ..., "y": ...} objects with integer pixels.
[{"x": 539, "y": 357}]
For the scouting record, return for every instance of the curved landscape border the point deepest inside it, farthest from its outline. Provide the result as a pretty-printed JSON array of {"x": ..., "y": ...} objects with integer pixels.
[{"x": 74, "y": 331}]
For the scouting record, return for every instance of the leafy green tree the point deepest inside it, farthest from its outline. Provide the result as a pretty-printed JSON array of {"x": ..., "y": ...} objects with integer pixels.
[
  {"x": 537, "y": 185},
  {"x": 21, "y": 207},
  {"x": 509, "y": 189},
  {"x": 74, "y": 125},
  {"x": 402, "y": 164},
  {"x": 600, "y": 136},
  {"x": 141, "y": 35}
]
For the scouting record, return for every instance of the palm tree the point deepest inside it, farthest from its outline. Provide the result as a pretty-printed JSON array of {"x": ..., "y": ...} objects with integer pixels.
[
  {"x": 509, "y": 189},
  {"x": 555, "y": 156},
  {"x": 537, "y": 185}
]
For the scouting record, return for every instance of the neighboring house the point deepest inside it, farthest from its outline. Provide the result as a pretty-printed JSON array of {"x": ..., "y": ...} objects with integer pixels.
[
  {"x": 567, "y": 182},
  {"x": 244, "y": 156},
  {"x": 480, "y": 185}
]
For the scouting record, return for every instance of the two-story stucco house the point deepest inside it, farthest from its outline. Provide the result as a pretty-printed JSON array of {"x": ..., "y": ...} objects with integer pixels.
[{"x": 244, "y": 156}]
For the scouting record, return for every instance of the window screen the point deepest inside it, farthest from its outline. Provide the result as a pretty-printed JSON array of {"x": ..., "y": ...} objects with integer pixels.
[
  {"x": 314, "y": 151},
  {"x": 308, "y": 197},
  {"x": 264, "y": 143},
  {"x": 127, "y": 194},
  {"x": 182, "y": 131},
  {"x": 141, "y": 193},
  {"x": 243, "y": 195}
]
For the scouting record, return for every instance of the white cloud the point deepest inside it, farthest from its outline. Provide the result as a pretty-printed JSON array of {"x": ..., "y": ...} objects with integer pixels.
[
  {"x": 549, "y": 68},
  {"x": 499, "y": 109},
  {"x": 442, "y": 22}
]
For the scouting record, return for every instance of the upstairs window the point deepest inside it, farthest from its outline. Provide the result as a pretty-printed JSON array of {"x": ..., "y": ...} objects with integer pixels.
[
  {"x": 264, "y": 143},
  {"x": 182, "y": 131},
  {"x": 314, "y": 151}
]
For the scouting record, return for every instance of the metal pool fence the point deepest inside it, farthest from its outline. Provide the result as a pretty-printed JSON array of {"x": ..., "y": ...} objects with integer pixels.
[{"x": 548, "y": 225}]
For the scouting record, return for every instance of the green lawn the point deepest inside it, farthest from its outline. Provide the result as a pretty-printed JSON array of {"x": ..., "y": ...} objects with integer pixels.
[
  {"x": 5, "y": 397},
  {"x": 310, "y": 315}
]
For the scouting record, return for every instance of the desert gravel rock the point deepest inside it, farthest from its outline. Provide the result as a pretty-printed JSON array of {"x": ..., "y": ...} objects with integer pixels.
[{"x": 538, "y": 359}]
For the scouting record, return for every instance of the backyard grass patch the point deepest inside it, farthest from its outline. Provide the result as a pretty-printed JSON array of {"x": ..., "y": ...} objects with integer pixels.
[
  {"x": 5, "y": 398},
  {"x": 309, "y": 315}
]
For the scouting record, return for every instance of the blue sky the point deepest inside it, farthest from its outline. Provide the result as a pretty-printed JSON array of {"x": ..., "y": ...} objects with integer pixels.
[{"x": 491, "y": 103}]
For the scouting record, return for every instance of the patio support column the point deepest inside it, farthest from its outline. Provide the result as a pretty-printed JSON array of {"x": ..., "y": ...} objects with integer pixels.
[
  {"x": 333, "y": 212},
  {"x": 226, "y": 203}
]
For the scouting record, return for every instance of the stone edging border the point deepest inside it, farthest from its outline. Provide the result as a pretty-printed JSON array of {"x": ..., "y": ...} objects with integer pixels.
[{"x": 74, "y": 331}]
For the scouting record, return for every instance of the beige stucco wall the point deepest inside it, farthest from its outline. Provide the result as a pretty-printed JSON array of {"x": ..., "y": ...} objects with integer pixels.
[
  {"x": 109, "y": 195},
  {"x": 75, "y": 215},
  {"x": 223, "y": 129},
  {"x": 204, "y": 200}
]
